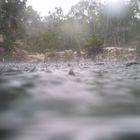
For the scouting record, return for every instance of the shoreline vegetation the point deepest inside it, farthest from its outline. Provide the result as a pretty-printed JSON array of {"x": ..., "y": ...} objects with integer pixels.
[
  {"x": 82, "y": 34},
  {"x": 107, "y": 54}
]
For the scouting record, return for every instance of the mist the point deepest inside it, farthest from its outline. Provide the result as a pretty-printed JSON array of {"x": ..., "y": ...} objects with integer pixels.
[{"x": 70, "y": 74}]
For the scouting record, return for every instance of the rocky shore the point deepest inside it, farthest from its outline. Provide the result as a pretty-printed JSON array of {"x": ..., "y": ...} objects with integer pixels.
[{"x": 108, "y": 54}]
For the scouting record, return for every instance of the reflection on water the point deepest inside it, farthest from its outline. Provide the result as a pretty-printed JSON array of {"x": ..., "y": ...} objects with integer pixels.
[{"x": 43, "y": 102}]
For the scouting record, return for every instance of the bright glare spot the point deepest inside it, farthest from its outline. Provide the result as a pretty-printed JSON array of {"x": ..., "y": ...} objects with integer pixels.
[
  {"x": 44, "y": 6},
  {"x": 114, "y": 1},
  {"x": 115, "y": 8}
]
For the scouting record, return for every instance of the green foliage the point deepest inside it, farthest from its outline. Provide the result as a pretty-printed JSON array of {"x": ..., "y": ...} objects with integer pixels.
[
  {"x": 33, "y": 23},
  {"x": 11, "y": 21},
  {"x": 138, "y": 47},
  {"x": 43, "y": 42},
  {"x": 86, "y": 23},
  {"x": 93, "y": 41},
  {"x": 93, "y": 45}
]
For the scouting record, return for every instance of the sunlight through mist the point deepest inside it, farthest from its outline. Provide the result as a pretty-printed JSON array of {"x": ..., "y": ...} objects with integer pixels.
[{"x": 115, "y": 8}]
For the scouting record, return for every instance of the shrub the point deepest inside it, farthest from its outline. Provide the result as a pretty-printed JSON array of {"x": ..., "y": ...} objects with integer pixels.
[
  {"x": 138, "y": 49},
  {"x": 93, "y": 45}
]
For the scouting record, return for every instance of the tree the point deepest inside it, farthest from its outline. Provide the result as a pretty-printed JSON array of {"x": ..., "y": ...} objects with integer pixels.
[
  {"x": 93, "y": 45},
  {"x": 122, "y": 29},
  {"x": 12, "y": 19},
  {"x": 33, "y": 25}
]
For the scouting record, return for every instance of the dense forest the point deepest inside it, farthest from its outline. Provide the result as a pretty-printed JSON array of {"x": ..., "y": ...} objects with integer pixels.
[{"x": 88, "y": 24}]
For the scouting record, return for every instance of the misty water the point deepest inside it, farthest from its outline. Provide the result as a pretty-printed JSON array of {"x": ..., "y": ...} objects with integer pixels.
[{"x": 44, "y": 102}]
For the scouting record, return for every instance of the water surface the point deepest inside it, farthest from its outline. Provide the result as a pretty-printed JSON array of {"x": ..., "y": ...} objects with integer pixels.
[{"x": 44, "y": 102}]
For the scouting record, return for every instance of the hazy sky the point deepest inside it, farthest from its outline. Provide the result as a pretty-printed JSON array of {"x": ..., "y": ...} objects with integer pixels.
[{"x": 44, "y": 6}]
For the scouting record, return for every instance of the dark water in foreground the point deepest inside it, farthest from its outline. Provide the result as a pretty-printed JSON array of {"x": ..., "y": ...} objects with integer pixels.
[{"x": 41, "y": 102}]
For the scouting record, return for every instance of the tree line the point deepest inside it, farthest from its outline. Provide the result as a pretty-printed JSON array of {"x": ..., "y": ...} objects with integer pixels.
[{"x": 89, "y": 24}]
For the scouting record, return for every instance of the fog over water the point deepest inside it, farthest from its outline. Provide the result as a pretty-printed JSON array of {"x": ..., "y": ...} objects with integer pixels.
[
  {"x": 44, "y": 102},
  {"x": 62, "y": 92}
]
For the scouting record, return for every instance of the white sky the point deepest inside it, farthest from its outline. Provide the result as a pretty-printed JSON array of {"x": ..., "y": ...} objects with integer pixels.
[{"x": 44, "y": 6}]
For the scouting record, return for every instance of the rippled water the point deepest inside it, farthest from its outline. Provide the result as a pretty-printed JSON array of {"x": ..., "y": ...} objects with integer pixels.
[{"x": 43, "y": 102}]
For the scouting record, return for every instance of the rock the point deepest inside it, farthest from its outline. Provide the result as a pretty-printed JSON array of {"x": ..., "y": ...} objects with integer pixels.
[
  {"x": 69, "y": 65},
  {"x": 99, "y": 63},
  {"x": 131, "y": 63},
  {"x": 129, "y": 136},
  {"x": 33, "y": 69},
  {"x": 71, "y": 72},
  {"x": 20, "y": 55}
]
